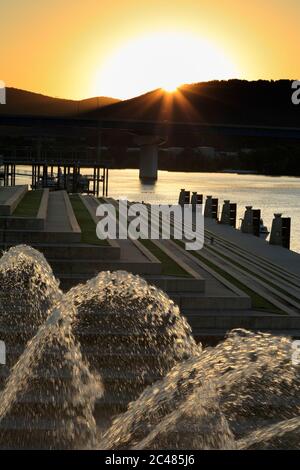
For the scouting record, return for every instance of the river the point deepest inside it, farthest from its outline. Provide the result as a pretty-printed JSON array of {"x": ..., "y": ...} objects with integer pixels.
[{"x": 270, "y": 194}]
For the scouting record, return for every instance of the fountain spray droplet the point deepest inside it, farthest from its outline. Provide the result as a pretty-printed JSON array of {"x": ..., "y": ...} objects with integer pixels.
[
  {"x": 130, "y": 332},
  {"x": 242, "y": 394},
  {"x": 48, "y": 399}
]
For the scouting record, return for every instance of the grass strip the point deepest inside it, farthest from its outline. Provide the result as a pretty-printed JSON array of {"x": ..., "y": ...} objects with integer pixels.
[
  {"x": 169, "y": 266},
  {"x": 29, "y": 204},
  {"x": 276, "y": 267},
  {"x": 267, "y": 281},
  {"x": 86, "y": 223},
  {"x": 258, "y": 301}
]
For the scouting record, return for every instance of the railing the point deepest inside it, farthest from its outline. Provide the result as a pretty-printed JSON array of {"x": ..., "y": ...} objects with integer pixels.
[{"x": 53, "y": 156}]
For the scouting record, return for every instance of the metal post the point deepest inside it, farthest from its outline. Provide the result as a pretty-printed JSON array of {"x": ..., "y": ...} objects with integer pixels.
[
  {"x": 32, "y": 176},
  {"x": 106, "y": 185},
  {"x": 98, "y": 180},
  {"x": 65, "y": 177},
  {"x": 94, "y": 181}
]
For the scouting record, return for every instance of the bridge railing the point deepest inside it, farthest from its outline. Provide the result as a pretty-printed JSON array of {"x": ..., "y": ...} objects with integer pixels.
[{"x": 53, "y": 156}]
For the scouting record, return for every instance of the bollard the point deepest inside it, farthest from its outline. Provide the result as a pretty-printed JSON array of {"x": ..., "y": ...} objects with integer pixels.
[
  {"x": 281, "y": 231},
  {"x": 256, "y": 222},
  {"x": 187, "y": 196},
  {"x": 211, "y": 207},
  {"x": 200, "y": 199},
  {"x": 208, "y": 206},
  {"x": 233, "y": 210},
  {"x": 225, "y": 216},
  {"x": 196, "y": 200},
  {"x": 215, "y": 208},
  {"x": 184, "y": 197},
  {"x": 251, "y": 221},
  {"x": 247, "y": 221},
  {"x": 181, "y": 197}
]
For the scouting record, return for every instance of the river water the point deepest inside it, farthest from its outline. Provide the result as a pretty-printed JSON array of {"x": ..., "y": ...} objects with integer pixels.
[{"x": 270, "y": 194}]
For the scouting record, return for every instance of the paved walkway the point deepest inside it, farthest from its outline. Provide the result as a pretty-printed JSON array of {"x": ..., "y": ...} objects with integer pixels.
[
  {"x": 6, "y": 193},
  {"x": 212, "y": 285},
  {"x": 57, "y": 217},
  {"x": 289, "y": 260},
  {"x": 129, "y": 251}
]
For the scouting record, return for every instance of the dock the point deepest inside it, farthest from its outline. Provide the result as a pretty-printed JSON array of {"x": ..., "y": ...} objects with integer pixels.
[{"x": 58, "y": 168}]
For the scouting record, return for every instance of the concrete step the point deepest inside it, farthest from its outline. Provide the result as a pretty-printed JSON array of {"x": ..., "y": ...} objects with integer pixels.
[
  {"x": 254, "y": 267},
  {"x": 200, "y": 301},
  {"x": 79, "y": 251},
  {"x": 10, "y": 198},
  {"x": 179, "y": 284},
  {"x": 16, "y": 237},
  {"x": 28, "y": 223},
  {"x": 274, "y": 257},
  {"x": 227, "y": 321},
  {"x": 76, "y": 271},
  {"x": 273, "y": 295}
]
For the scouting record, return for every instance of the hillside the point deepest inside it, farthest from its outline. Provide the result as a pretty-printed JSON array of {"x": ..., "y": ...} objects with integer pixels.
[
  {"x": 224, "y": 102},
  {"x": 26, "y": 102}
]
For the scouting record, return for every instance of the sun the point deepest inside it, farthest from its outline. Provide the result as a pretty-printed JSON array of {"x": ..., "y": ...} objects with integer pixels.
[
  {"x": 161, "y": 60},
  {"x": 171, "y": 88}
]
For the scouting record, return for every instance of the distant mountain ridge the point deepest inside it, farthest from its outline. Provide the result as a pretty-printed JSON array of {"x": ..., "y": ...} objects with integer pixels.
[
  {"x": 236, "y": 102},
  {"x": 21, "y": 102}
]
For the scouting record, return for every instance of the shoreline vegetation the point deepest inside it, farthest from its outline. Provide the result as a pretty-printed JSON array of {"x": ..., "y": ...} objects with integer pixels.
[
  {"x": 259, "y": 103},
  {"x": 272, "y": 161},
  {"x": 224, "y": 172}
]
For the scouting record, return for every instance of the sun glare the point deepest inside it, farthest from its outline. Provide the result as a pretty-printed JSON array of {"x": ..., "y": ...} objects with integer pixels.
[
  {"x": 170, "y": 88},
  {"x": 161, "y": 60}
]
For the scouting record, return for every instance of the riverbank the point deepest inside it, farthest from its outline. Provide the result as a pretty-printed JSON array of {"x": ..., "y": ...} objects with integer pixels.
[{"x": 269, "y": 193}]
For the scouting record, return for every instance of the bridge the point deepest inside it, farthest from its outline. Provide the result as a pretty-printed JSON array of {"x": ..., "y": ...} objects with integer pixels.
[{"x": 148, "y": 135}]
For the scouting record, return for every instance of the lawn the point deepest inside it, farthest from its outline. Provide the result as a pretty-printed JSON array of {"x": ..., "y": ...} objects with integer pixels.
[
  {"x": 85, "y": 221},
  {"x": 258, "y": 302},
  {"x": 29, "y": 205},
  {"x": 262, "y": 278},
  {"x": 169, "y": 266}
]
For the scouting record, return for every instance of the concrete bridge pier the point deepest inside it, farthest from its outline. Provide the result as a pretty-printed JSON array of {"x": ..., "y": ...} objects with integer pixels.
[
  {"x": 148, "y": 156},
  {"x": 149, "y": 162}
]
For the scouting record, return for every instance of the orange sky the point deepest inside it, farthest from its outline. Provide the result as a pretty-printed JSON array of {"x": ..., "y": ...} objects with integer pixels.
[{"x": 77, "y": 49}]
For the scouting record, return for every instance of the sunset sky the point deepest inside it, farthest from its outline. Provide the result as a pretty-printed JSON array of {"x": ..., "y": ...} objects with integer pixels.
[{"x": 121, "y": 48}]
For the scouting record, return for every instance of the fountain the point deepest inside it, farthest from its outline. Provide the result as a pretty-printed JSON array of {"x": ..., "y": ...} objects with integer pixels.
[
  {"x": 28, "y": 290},
  {"x": 236, "y": 389},
  {"x": 131, "y": 333},
  {"x": 48, "y": 398},
  {"x": 118, "y": 345}
]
